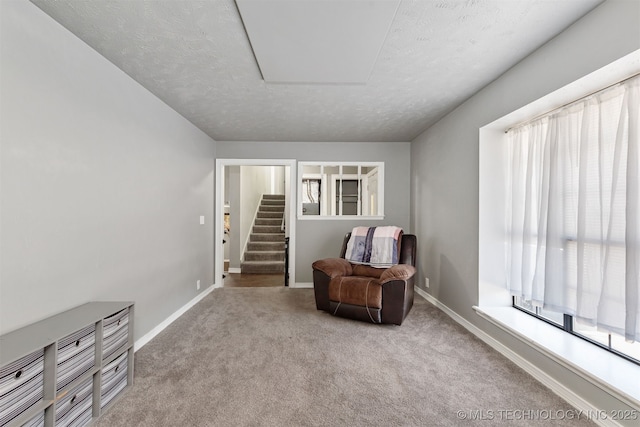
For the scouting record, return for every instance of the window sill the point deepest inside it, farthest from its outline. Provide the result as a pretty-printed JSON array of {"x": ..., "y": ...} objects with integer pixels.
[
  {"x": 339, "y": 217},
  {"x": 617, "y": 376}
]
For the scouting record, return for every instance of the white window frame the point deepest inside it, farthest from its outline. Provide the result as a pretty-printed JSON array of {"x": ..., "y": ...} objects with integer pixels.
[{"x": 329, "y": 213}]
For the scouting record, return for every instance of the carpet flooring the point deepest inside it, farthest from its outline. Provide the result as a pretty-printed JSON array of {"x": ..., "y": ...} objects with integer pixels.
[{"x": 267, "y": 357}]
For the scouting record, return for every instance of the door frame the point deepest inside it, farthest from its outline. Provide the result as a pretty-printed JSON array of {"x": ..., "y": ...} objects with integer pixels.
[{"x": 219, "y": 214}]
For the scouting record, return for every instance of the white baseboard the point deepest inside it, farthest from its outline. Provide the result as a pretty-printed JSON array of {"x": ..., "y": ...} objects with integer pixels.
[
  {"x": 234, "y": 270},
  {"x": 169, "y": 320},
  {"x": 555, "y": 386},
  {"x": 301, "y": 285}
]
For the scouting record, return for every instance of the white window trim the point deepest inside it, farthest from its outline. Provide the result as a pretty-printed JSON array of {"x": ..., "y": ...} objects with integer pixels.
[{"x": 333, "y": 217}]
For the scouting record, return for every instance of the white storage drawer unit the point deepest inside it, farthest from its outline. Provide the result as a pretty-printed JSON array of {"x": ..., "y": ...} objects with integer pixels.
[
  {"x": 67, "y": 369},
  {"x": 74, "y": 409},
  {"x": 114, "y": 379},
  {"x": 37, "y": 421},
  {"x": 21, "y": 385},
  {"x": 76, "y": 355},
  {"x": 115, "y": 333}
]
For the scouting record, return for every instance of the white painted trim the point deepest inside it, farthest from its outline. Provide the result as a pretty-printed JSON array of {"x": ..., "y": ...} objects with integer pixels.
[
  {"x": 219, "y": 210},
  {"x": 302, "y": 285},
  {"x": 234, "y": 270},
  {"x": 366, "y": 193},
  {"x": 140, "y": 342},
  {"x": 325, "y": 190},
  {"x": 381, "y": 186},
  {"x": 339, "y": 217},
  {"x": 550, "y": 382}
]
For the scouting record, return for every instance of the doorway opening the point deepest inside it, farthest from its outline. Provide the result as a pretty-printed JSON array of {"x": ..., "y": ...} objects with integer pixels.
[{"x": 255, "y": 223}]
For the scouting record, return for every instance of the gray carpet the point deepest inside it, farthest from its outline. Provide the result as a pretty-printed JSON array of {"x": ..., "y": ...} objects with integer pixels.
[{"x": 266, "y": 357}]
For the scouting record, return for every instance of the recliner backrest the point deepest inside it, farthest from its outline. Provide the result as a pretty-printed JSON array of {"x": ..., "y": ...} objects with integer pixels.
[{"x": 407, "y": 248}]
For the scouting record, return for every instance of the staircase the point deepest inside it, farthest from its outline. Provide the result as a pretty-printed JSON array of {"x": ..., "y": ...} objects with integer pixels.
[{"x": 265, "y": 250}]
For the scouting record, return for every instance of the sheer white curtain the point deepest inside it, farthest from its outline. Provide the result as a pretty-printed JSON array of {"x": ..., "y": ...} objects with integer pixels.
[{"x": 573, "y": 210}]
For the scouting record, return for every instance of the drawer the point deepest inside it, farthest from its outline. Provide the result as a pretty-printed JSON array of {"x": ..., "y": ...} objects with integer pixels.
[
  {"x": 21, "y": 385},
  {"x": 37, "y": 421},
  {"x": 114, "y": 379},
  {"x": 115, "y": 333},
  {"x": 75, "y": 408},
  {"x": 76, "y": 355}
]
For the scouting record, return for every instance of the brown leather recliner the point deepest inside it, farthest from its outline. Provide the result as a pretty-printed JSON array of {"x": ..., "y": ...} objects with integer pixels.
[{"x": 377, "y": 295}]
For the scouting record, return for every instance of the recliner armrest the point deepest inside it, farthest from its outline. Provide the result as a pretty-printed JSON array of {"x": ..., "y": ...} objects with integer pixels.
[
  {"x": 333, "y": 267},
  {"x": 397, "y": 272}
]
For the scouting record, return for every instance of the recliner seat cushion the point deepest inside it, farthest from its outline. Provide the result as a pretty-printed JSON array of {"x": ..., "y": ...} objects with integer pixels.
[
  {"x": 356, "y": 290},
  {"x": 366, "y": 271}
]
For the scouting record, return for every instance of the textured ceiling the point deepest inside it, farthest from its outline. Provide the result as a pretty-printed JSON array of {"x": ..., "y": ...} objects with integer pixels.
[{"x": 195, "y": 56}]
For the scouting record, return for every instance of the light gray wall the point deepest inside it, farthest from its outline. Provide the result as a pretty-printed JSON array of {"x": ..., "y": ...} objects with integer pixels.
[
  {"x": 279, "y": 179},
  {"x": 317, "y": 239},
  {"x": 102, "y": 183},
  {"x": 444, "y": 165}
]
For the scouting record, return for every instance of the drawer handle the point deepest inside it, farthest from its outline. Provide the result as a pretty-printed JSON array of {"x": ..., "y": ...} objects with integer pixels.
[
  {"x": 19, "y": 374},
  {"x": 120, "y": 320},
  {"x": 116, "y": 370},
  {"x": 73, "y": 399},
  {"x": 78, "y": 343}
]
